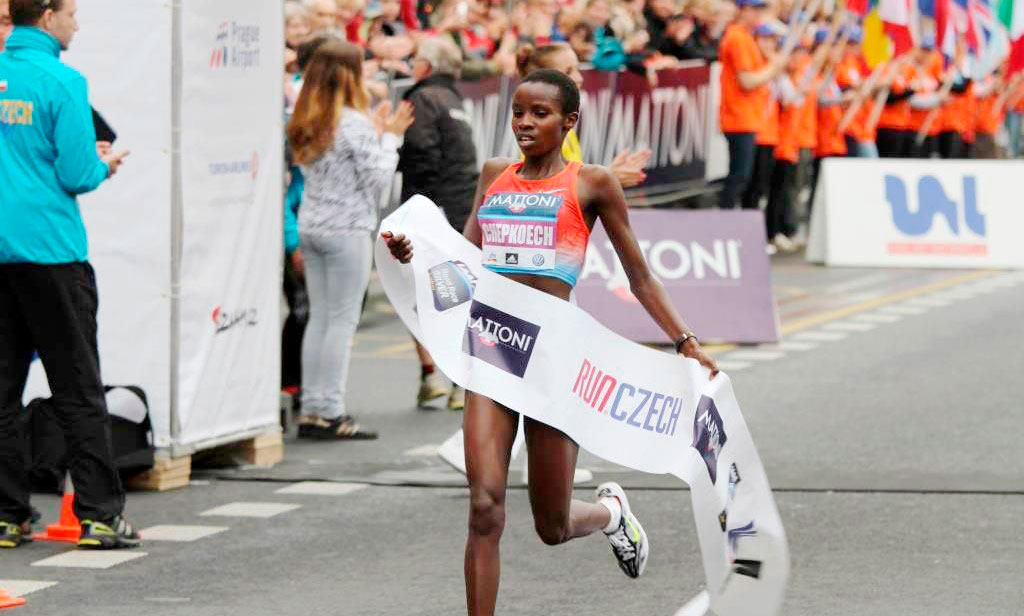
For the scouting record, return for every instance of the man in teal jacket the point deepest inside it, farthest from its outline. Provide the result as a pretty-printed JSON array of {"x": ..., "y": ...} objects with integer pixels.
[{"x": 48, "y": 300}]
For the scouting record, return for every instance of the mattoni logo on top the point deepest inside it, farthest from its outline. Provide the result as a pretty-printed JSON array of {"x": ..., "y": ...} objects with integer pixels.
[
  {"x": 940, "y": 224},
  {"x": 235, "y": 46}
]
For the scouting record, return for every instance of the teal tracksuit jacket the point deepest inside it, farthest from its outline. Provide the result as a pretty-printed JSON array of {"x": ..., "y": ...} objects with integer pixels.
[{"x": 47, "y": 152}]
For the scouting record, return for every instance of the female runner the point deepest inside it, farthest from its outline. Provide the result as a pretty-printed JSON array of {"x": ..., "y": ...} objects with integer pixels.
[{"x": 545, "y": 108}]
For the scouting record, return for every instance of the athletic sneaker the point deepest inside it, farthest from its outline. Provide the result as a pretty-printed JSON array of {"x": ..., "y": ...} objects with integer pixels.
[
  {"x": 457, "y": 401},
  {"x": 629, "y": 541},
  {"x": 341, "y": 428},
  {"x": 12, "y": 535},
  {"x": 112, "y": 535},
  {"x": 432, "y": 387}
]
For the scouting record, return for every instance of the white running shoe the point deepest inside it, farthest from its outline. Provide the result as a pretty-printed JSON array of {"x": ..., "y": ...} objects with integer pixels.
[
  {"x": 629, "y": 541},
  {"x": 783, "y": 243},
  {"x": 453, "y": 451}
]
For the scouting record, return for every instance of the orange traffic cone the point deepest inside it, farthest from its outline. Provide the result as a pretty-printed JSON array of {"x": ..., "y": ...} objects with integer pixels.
[
  {"x": 6, "y": 600},
  {"x": 67, "y": 527}
]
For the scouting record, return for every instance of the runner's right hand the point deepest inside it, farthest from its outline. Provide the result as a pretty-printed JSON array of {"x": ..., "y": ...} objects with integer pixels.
[{"x": 399, "y": 245}]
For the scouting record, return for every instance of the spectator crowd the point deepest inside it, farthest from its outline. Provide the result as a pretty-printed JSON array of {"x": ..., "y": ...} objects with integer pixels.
[{"x": 796, "y": 87}]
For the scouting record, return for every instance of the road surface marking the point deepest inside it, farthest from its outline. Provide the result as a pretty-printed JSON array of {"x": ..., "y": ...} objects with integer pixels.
[
  {"x": 172, "y": 532},
  {"x": 422, "y": 450},
  {"x": 792, "y": 345},
  {"x": 832, "y": 315},
  {"x": 820, "y": 336},
  {"x": 904, "y": 310},
  {"x": 321, "y": 488},
  {"x": 20, "y": 588},
  {"x": 85, "y": 559},
  {"x": 927, "y": 301},
  {"x": 875, "y": 317},
  {"x": 849, "y": 326},
  {"x": 733, "y": 366},
  {"x": 755, "y": 355},
  {"x": 250, "y": 510}
]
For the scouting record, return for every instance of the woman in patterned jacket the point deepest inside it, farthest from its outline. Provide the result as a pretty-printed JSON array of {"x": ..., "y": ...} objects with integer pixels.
[{"x": 348, "y": 156}]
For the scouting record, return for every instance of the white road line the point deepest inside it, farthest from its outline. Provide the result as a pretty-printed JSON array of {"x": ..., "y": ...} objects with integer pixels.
[
  {"x": 422, "y": 450},
  {"x": 849, "y": 326},
  {"x": 790, "y": 345},
  {"x": 321, "y": 488},
  {"x": 250, "y": 510},
  {"x": 172, "y": 532},
  {"x": 734, "y": 366},
  {"x": 819, "y": 336},
  {"x": 754, "y": 355},
  {"x": 927, "y": 301},
  {"x": 20, "y": 588},
  {"x": 874, "y": 317},
  {"x": 902, "y": 309},
  {"x": 85, "y": 559}
]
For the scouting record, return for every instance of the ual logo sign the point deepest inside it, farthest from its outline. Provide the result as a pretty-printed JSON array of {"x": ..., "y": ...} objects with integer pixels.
[{"x": 935, "y": 207}]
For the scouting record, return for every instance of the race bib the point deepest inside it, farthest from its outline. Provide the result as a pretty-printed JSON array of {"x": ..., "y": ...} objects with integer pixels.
[{"x": 520, "y": 230}]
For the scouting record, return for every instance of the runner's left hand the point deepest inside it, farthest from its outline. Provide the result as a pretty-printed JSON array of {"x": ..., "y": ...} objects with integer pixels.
[
  {"x": 693, "y": 350},
  {"x": 399, "y": 245}
]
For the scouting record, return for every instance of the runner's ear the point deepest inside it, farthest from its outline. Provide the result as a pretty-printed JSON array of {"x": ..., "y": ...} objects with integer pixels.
[{"x": 571, "y": 119}]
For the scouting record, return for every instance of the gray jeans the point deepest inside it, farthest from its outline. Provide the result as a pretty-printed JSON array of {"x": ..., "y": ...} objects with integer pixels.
[{"x": 337, "y": 274}]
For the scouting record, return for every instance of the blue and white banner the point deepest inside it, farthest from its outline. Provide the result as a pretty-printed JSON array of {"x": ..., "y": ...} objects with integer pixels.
[
  {"x": 918, "y": 213},
  {"x": 629, "y": 404}
]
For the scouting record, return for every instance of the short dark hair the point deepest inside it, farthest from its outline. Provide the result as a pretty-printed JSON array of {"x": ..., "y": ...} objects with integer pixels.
[
  {"x": 567, "y": 90},
  {"x": 29, "y": 12}
]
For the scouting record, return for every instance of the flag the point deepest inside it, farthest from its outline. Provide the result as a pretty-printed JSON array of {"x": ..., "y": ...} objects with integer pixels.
[
  {"x": 1011, "y": 14},
  {"x": 860, "y": 7},
  {"x": 876, "y": 44},
  {"x": 899, "y": 18},
  {"x": 994, "y": 43}
]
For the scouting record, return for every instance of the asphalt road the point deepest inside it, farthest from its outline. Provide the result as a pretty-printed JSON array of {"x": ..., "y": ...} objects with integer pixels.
[{"x": 888, "y": 420}]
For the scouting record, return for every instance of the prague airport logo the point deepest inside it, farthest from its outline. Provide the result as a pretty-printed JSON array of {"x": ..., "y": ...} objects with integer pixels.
[
  {"x": 500, "y": 339},
  {"x": 235, "y": 46},
  {"x": 708, "y": 434},
  {"x": 223, "y": 320}
]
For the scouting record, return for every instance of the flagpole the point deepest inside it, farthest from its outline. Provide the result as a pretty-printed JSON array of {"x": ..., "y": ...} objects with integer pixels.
[{"x": 862, "y": 95}]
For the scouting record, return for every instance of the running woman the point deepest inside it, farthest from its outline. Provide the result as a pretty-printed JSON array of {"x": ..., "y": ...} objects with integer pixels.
[{"x": 545, "y": 108}]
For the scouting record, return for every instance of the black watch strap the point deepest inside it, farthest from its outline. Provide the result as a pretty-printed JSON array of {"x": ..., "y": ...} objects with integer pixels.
[{"x": 681, "y": 340}]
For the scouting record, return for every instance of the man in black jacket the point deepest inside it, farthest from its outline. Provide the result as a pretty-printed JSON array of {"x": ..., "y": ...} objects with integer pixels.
[
  {"x": 438, "y": 161},
  {"x": 438, "y": 158}
]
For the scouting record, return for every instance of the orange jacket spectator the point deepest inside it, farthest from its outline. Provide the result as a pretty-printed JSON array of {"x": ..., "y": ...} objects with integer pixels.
[
  {"x": 741, "y": 111},
  {"x": 930, "y": 80},
  {"x": 896, "y": 115}
]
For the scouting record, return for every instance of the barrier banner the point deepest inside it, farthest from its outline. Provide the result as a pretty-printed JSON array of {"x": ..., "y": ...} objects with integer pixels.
[
  {"x": 917, "y": 213},
  {"x": 713, "y": 266},
  {"x": 619, "y": 111},
  {"x": 629, "y": 404}
]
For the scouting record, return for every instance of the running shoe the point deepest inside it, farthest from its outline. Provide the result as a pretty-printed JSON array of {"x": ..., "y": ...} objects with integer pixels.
[
  {"x": 12, "y": 535},
  {"x": 112, "y": 535},
  {"x": 432, "y": 387},
  {"x": 629, "y": 541},
  {"x": 340, "y": 428},
  {"x": 457, "y": 401}
]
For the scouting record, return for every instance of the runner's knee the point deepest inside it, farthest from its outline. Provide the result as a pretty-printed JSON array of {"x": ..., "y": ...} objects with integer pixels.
[
  {"x": 486, "y": 513},
  {"x": 552, "y": 529}
]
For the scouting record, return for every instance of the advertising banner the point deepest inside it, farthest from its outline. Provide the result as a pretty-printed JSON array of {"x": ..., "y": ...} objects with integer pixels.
[
  {"x": 713, "y": 266},
  {"x": 917, "y": 213},
  {"x": 632, "y": 405},
  {"x": 619, "y": 111},
  {"x": 232, "y": 127}
]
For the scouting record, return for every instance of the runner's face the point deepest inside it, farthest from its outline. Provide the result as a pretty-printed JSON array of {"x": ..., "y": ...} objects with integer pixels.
[{"x": 537, "y": 119}]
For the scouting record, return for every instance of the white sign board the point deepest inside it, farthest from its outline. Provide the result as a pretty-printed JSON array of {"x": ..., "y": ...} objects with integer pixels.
[{"x": 918, "y": 213}]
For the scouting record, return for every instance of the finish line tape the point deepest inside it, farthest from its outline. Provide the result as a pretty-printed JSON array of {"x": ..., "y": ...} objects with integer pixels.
[{"x": 629, "y": 404}]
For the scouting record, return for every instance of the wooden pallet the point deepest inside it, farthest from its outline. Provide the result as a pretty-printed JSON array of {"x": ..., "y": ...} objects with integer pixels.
[{"x": 170, "y": 473}]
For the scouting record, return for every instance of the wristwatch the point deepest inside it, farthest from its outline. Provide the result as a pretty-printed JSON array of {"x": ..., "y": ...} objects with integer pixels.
[{"x": 681, "y": 340}]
